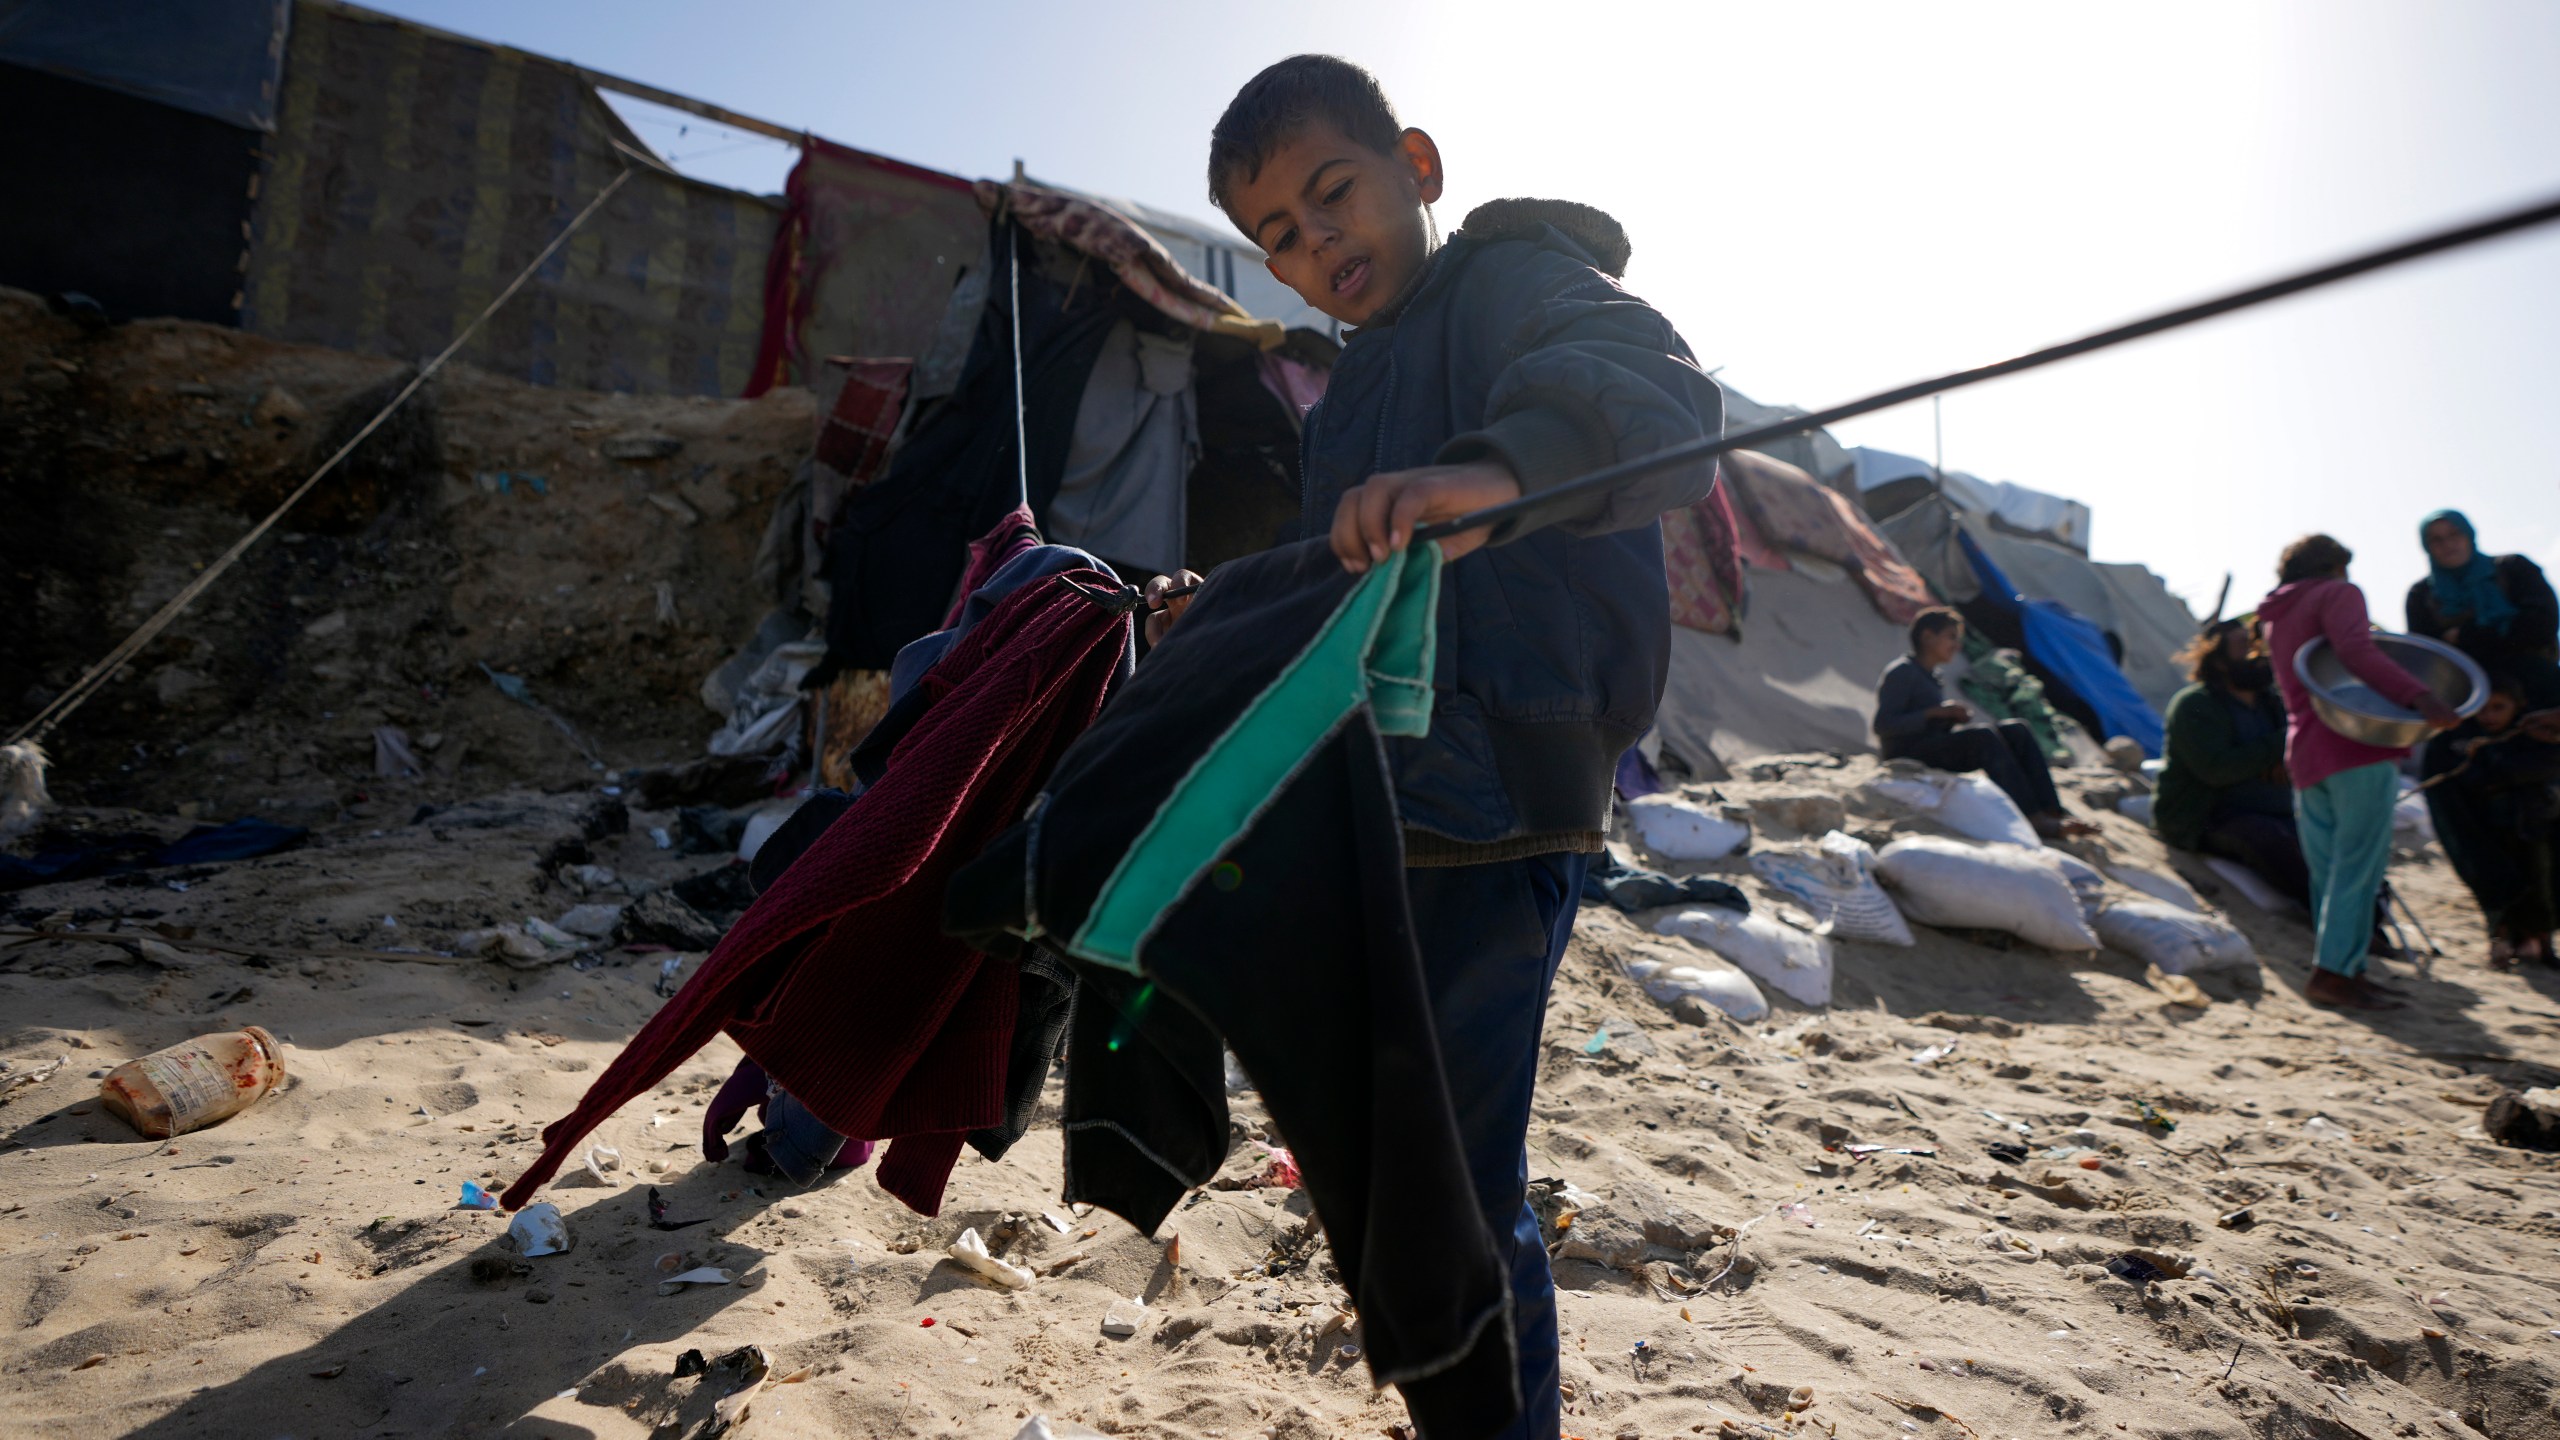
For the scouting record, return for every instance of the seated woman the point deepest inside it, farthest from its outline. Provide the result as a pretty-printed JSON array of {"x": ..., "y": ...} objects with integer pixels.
[
  {"x": 2223, "y": 789},
  {"x": 2490, "y": 794},
  {"x": 1916, "y": 721}
]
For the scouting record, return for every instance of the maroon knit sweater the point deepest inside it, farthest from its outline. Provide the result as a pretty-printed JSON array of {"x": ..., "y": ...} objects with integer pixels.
[{"x": 839, "y": 980}]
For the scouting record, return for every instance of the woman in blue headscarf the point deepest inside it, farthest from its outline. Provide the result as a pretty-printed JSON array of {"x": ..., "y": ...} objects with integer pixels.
[{"x": 2500, "y": 612}]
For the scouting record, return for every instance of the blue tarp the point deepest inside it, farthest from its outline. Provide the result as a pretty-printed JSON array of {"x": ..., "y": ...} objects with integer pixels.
[
  {"x": 2070, "y": 645},
  {"x": 210, "y": 57}
]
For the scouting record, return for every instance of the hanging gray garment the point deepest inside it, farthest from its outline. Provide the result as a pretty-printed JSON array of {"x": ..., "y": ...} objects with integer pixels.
[{"x": 1137, "y": 433}]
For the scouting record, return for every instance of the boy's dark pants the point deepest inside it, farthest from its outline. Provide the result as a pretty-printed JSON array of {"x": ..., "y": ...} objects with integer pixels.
[
  {"x": 1490, "y": 937},
  {"x": 2007, "y": 755}
]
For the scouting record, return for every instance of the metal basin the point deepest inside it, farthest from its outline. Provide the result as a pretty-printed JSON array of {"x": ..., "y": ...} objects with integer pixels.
[{"x": 2358, "y": 711}]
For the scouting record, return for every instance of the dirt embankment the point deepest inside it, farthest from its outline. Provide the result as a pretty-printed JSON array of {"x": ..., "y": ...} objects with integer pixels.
[{"x": 484, "y": 524}]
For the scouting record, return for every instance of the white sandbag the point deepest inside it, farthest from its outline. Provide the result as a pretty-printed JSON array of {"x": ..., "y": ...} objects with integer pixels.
[
  {"x": 1967, "y": 804},
  {"x": 1796, "y": 964},
  {"x": 1675, "y": 829},
  {"x": 1730, "y": 991},
  {"x": 1835, "y": 882},
  {"x": 1986, "y": 887},
  {"x": 2088, "y": 886},
  {"x": 2136, "y": 808},
  {"x": 2253, "y": 885},
  {"x": 2167, "y": 888},
  {"x": 2178, "y": 942}
]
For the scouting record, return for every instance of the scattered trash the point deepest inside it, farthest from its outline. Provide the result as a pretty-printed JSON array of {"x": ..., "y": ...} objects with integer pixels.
[
  {"x": 659, "y": 837},
  {"x": 658, "y": 1214},
  {"x": 1124, "y": 1317},
  {"x": 1675, "y": 829},
  {"x": 972, "y": 1254},
  {"x": 2152, "y": 1117},
  {"x": 736, "y": 1370},
  {"x": 599, "y": 1159},
  {"x": 668, "y": 970},
  {"x": 2020, "y": 1126},
  {"x": 2008, "y": 1150},
  {"x": 2135, "y": 1269},
  {"x": 475, "y": 1198},
  {"x": 700, "y": 1275},
  {"x": 1598, "y": 1042},
  {"x": 1863, "y": 1151},
  {"x": 392, "y": 757},
  {"x": 1801, "y": 1213},
  {"x": 590, "y": 922},
  {"x": 1279, "y": 1170},
  {"x": 201, "y": 1082},
  {"x": 2175, "y": 989},
  {"x": 508, "y": 943},
  {"x": 550, "y": 934},
  {"x": 14, "y": 1081},
  {"x": 2327, "y": 1131},
  {"x": 539, "y": 1230},
  {"x": 591, "y": 878},
  {"x": 1931, "y": 1055},
  {"x": 1056, "y": 1221}
]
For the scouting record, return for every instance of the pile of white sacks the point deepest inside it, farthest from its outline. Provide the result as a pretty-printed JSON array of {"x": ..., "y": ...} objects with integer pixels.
[{"x": 1998, "y": 876}]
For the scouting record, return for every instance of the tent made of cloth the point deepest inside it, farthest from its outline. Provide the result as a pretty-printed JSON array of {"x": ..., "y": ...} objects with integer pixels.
[
  {"x": 2126, "y": 601},
  {"x": 1814, "y": 452},
  {"x": 1799, "y": 675},
  {"x": 1887, "y": 483},
  {"x": 1793, "y": 513},
  {"x": 2070, "y": 648}
]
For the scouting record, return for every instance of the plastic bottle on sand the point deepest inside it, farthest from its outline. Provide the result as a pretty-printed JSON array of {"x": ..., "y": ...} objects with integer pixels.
[{"x": 202, "y": 1082}]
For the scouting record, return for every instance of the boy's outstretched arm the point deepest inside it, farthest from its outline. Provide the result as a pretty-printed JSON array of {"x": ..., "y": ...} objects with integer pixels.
[{"x": 1594, "y": 376}]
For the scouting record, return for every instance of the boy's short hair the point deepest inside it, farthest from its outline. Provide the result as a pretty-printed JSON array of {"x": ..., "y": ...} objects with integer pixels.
[
  {"x": 1276, "y": 104},
  {"x": 2311, "y": 557},
  {"x": 1932, "y": 620}
]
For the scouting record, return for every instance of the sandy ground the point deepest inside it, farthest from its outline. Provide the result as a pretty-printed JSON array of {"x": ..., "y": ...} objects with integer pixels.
[{"x": 301, "y": 1270}]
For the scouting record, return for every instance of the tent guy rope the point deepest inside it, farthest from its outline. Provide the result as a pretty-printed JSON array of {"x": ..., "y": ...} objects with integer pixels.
[
  {"x": 1610, "y": 477},
  {"x": 106, "y": 669}
]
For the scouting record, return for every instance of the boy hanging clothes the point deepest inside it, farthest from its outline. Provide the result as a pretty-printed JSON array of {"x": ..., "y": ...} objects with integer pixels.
[{"x": 1502, "y": 362}]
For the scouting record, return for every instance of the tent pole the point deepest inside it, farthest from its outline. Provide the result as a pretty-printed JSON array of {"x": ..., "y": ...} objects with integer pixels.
[
  {"x": 1021, "y": 426},
  {"x": 1610, "y": 477}
]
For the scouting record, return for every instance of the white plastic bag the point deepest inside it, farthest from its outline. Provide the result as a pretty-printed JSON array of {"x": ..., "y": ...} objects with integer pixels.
[
  {"x": 1730, "y": 991},
  {"x": 1796, "y": 964},
  {"x": 1967, "y": 804},
  {"x": 1986, "y": 887},
  {"x": 1675, "y": 829},
  {"x": 2178, "y": 942},
  {"x": 1836, "y": 884}
]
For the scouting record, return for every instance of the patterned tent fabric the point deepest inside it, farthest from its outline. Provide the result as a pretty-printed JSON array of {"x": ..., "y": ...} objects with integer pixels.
[
  {"x": 1795, "y": 513},
  {"x": 1702, "y": 557},
  {"x": 1090, "y": 227}
]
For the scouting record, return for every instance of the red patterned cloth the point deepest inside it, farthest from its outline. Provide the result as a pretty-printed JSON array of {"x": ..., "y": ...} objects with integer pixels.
[
  {"x": 1013, "y": 534},
  {"x": 853, "y": 439},
  {"x": 1702, "y": 558},
  {"x": 1090, "y": 227},
  {"x": 1796, "y": 512},
  {"x": 839, "y": 980}
]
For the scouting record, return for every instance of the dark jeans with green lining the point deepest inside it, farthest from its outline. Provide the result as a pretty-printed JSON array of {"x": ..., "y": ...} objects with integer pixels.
[{"x": 1491, "y": 936}]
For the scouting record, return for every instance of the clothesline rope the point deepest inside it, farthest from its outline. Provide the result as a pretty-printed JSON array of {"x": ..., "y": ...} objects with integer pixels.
[
  {"x": 106, "y": 669},
  {"x": 1021, "y": 426}
]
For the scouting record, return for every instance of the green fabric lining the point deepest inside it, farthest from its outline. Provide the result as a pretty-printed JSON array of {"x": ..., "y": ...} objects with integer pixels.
[{"x": 1376, "y": 650}]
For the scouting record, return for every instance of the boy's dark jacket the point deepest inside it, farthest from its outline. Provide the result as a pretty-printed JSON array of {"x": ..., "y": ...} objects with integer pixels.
[{"x": 1516, "y": 343}]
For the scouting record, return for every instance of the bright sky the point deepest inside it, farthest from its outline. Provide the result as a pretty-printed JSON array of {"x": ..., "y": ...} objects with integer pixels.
[{"x": 1832, "y": 198}]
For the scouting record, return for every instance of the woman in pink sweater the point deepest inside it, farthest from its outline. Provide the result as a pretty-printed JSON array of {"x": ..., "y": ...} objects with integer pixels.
[{"x": 2343, "y": 789}]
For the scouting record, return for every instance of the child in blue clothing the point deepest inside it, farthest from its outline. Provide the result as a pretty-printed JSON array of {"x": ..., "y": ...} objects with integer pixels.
[{"x": 1503, "y": 361}]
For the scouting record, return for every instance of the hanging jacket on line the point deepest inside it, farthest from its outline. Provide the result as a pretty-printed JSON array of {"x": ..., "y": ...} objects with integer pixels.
[{"x": 839, "y": 980}]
